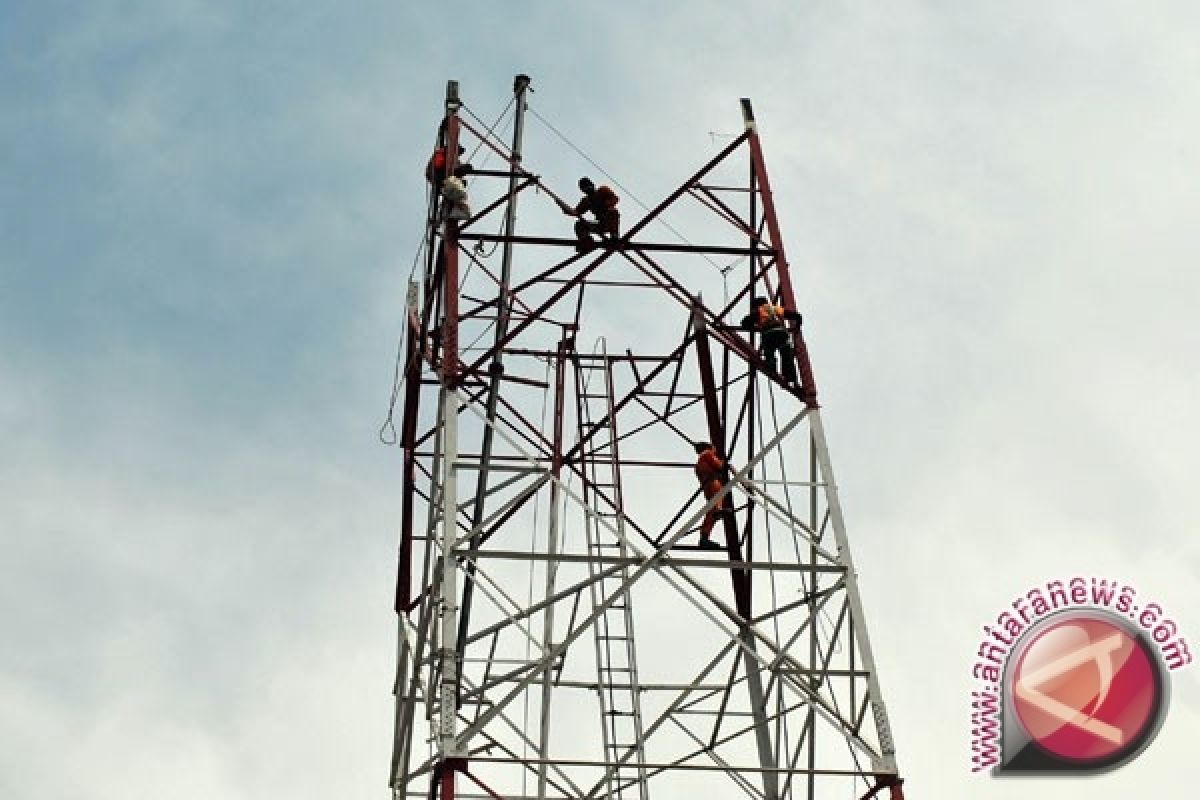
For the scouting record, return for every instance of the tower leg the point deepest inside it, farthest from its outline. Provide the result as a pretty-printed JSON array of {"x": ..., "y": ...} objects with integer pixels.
[
  {"x": 448, "y": 691},
  {"x": 766, "y": 755},
  {"x": 878, "y": 710},
  {"x": 551, "y": 549}
]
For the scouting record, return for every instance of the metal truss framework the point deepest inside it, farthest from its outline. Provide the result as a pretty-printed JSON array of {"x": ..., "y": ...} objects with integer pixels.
[{"x": 525, "y": 668}]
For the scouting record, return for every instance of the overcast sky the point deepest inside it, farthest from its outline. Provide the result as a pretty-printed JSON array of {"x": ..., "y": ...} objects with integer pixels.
[{"x": 208, "y": 212}]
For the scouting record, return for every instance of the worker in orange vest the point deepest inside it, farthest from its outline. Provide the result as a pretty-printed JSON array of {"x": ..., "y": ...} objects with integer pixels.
[
  {"x": 602, "y": 204},
  {"x": 771, "y": 322},
  {"x": 452, "y": 188},
  {"x": 710, "y": 469},
  {"x": 435, "y": 169}
]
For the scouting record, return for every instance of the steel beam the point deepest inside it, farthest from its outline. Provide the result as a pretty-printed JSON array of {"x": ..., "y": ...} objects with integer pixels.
[{"x": 486, "y": 432}]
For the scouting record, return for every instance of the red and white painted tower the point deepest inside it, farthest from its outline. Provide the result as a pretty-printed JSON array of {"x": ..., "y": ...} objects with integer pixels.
[{"x": 562, "y": 633}]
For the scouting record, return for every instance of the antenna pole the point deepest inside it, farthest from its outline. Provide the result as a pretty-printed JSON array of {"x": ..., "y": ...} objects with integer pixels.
[{"x": 496, "y": 369}]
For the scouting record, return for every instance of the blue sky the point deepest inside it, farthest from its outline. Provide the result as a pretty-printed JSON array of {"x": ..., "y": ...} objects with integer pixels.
[{"x": 207, "y": 215}]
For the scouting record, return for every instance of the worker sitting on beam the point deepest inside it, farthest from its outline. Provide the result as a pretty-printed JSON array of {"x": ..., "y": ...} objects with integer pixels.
[{"x": 602, "y": 204}]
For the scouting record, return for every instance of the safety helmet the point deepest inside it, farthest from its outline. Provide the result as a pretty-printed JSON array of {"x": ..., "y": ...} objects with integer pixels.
[{"x": 586, "y": 186}]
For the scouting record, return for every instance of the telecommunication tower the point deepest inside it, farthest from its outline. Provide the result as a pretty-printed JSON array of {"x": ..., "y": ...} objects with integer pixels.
[{"x": 561, "y": 634}]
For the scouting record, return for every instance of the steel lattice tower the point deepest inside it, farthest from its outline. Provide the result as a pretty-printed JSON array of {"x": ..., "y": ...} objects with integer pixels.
[{"x": 561, "y": 634}]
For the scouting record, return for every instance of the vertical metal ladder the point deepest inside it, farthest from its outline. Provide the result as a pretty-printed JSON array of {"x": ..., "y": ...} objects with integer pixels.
[{"x": 616, "y": 657}]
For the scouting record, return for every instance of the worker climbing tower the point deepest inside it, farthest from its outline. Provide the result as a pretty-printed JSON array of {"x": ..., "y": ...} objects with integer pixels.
[{"x": 562, "y": 632}]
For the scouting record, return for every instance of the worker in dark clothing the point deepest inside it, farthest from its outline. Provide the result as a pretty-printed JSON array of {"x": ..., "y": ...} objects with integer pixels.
[
  {"x": 771, "y": 322},
  {"x": 602, "y": 204},
  {"x": 710, "y": 470}
]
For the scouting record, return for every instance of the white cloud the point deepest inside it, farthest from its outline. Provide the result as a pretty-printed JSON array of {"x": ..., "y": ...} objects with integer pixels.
[{"x": 989, "y": 214}]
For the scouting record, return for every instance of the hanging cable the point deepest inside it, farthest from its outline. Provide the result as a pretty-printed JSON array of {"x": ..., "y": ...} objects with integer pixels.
[
  {"x": 765, "y": 475},
  {"x": 480, "y": 248},
  {"x": 618, "y": 184},
  {"x": 387, "y": 431},
  {"x": 491, "y": 127},
  {"x": 533, "y": 552}
]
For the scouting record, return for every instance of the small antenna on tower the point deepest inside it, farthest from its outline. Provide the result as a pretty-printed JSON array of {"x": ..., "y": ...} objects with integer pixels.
[{"x": 747, "y": 113}]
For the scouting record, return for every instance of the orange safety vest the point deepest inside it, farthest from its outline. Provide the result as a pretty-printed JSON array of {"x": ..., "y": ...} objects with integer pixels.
[
  {"x": 608, "y": 198},
  {"x": 769, "y": 316},
  {"x": 435, "y": 170},
  {"x": 708, "y": 466}
]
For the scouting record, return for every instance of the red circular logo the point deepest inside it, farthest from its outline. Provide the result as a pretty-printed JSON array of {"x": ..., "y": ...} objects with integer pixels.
[{"x": 1085, "y": 689}]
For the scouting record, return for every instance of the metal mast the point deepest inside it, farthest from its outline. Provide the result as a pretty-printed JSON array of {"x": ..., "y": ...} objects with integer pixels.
[
  {"x": 496, "y": 368},
  {"x": 561, "y": 633}
]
